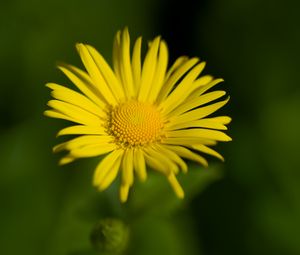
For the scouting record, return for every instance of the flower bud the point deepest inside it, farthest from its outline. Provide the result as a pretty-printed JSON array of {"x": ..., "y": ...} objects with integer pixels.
[{"x": 110, "y": 236}]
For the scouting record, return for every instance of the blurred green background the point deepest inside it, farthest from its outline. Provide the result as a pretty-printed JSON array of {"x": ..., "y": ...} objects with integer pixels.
[{"x": 249, "y": 205}]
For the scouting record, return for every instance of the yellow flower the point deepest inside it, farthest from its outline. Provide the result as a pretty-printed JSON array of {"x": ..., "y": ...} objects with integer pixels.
[{"x": 138, "y": 113}]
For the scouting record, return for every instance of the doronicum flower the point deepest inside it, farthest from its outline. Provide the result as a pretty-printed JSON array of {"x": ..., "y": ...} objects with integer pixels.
[{"x": 138, "y": 114}]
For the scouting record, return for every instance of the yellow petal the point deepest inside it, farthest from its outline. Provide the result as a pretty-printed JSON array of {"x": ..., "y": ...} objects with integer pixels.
[
  {"x": 148, "y": 71},
  {"x": 186, "y": 153},
  {"x": 105, "y": 166},
  {"x": 160, "y": 72},
  {"x": 75, "y": 112},
  {"x": 199, "y": 133},
  {"x": 127, "y": 167},
  {"x": 124, "y": 189},
  {"x": 83, "y": 141},
  {"x": 125, "y": 65},
  {"x": 84, "y": 83},
  {"x": 95, "y": 74},
  {"x": 222, "y": 119},
  {"x": 203, "y": 123},
  {"x": 207, "y": 150},
  {"x": 72, "y": 97},
  {"x": 201, "y": 81},
  {"x": 178, "y": 62},
  {"x": 172, "y": 156},
  {"x": 176, "y": 186},
  {"x": 82, "y": 130},
  {"x": 155, "y": 164},
  {"x": 58, "y": 115},
  {"x": 202, "y": 89},
  {"x": 198, "y": 113},
  {"x": 181, "y": 92},
  {"x": 187, "y": 141},
  {"x": 189, "y": 92},
  {"x": 175, "y": 77},
  {"x": 109, "y": 76},
  {"x": 92, "y": 150},
  {"x": 66, "y": 160},
  {"x": 139, "y": 164},
  {"x": 111, "y": 174},
  {"x": 196, "y": 102},
  {"x": 136, "y": 63},
  {"x": 167, "y": 163},
  {"x": 116, "y": 56}
]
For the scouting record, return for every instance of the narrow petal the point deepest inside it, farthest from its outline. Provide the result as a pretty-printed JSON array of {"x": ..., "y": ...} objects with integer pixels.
[
  {"x": 84, "y": 83},
  {"x": 187, "y": 141},
  {"x": 198, "y": 113},
  {"x": 95, "y": 74},
  {"x": 201, "y": 81},
  {"x": 139, "y": 164},
  {"x": 82, "y": 130},
  {"x": 66, "y": 160},
  {"x": 111, "y": 174},
  {"x": 178, "y": 62},
  {"x": 125, "y": 64},
  {"x": 196, "y": 102},
  {"x": 136, "y": 63},
  {"x": 174, "y": 78},
  {"x": 105, "y": 166},
  {"x": 203, "y": 123},
  {"x": 109, "y": 76},
  {"x": 167, "y": 163},
  {"x": 186, "y": 153},
  {"x": 197, "y": 85},
  {"x": 72, "y": 97},
  {"x": 148, "y": 71},
  {"x": 160, "y": 72},
  {"x": 116, "y": 56},
  {"x": 207, "y": 150},
  {"x": 75, "y": 112},
  {"x": 181, "y": 92},
  {"x": 127, "y": 167},
  {"x": 172, "y": 156},
  {"x": 176, "y": 186},
  {"x": 92, "y": 150},
  {"x": 156, "y": 165},
  {"x": 124, "y": 190},
  {"x": 222, "y": 119},
  {"x": 82, "y": 141},
  {"x": 59, "y": 115},
  {"x": 200, "y": 133},
  {"x": 202, "y": 89},
  {"x": 189, "y": 91}
]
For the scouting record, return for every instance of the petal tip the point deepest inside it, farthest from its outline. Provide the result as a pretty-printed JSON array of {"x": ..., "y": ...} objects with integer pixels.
[{"x": 79, "y": 46}]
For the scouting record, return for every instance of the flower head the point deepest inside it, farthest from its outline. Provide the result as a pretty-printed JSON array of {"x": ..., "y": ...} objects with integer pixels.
[{"x": 138, "y": 114}]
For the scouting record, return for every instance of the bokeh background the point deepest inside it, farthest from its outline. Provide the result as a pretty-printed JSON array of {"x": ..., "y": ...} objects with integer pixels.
[{"x": 249, "y": 205}]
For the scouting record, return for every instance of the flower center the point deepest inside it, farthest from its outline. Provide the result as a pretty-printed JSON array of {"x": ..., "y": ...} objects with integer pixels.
[{"x": 134, "y": 123}]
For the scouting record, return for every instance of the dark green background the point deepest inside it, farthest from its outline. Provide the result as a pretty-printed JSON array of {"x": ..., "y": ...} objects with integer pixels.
[{"x": 253, "y": 209}]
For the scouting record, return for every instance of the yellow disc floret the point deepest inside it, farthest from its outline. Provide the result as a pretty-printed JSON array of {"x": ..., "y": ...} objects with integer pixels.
[{"x": 134, "y": 123}]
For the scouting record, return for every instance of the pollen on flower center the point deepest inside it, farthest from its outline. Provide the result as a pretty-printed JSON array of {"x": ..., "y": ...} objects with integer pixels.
[{"x": 135, "y": 123}]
